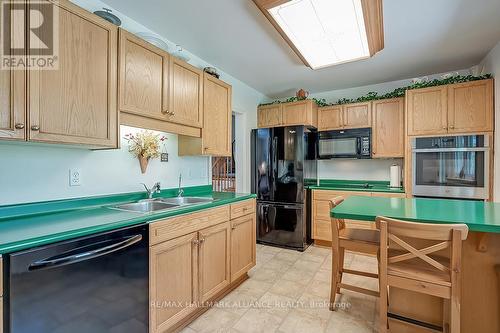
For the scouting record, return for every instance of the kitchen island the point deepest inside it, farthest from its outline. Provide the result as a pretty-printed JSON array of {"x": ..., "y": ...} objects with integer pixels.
[{"x": 481, "y": 258}]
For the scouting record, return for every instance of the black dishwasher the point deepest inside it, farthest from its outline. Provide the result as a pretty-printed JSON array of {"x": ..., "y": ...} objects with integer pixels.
[{"x": 94, "y": 284}]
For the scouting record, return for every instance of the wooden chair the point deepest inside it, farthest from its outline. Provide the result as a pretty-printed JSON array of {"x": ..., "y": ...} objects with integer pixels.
[
  {"x": 357, "y": 240},
  {"x": 403, "y": 265}
]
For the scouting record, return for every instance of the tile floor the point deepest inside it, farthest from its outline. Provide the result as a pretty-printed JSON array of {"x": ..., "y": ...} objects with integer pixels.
[{"x": 288, "y": 292}]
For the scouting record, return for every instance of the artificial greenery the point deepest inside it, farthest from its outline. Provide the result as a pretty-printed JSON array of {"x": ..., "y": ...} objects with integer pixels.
[{"x": 398, "y": 92}]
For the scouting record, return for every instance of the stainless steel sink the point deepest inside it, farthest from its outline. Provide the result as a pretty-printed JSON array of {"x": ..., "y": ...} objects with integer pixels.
[
  {"x": 181, "y": 201},
  {"x": 146, "y": 206},
  {"x": 159, "y": 204}
]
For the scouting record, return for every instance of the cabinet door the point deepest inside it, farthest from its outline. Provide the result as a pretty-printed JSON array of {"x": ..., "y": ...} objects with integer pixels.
[
  {"x": 270, "y": 115},
  {"x": 470, "y": 107},
  {"x": 143, "y": 77},
  {"x": 295, "y": 113},
  {"x": 214, "y": 260},
  {"x": 13, "y": 91},
  {"x": 357, "y": 115},
  {"x": 186, "y": 94},
  {"x": 173, "y": 281},
  {"x": 427, "y": 111},
  {"x": 321, "y": 223},
  {"x": 217, "y": 120},
  {"x": 330, "y": 118},
  {"x": 388, "y": 128},
  {"x": 243, "y": 243},
  {"x": 76, "y": 103}
]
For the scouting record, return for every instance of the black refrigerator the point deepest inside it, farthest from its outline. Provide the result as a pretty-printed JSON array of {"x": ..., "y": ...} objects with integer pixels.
[{"x": 283, "y": 164}]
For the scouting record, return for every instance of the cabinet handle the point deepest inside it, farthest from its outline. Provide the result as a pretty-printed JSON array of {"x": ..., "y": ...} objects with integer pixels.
[
  {"x": 202, "y": 240},
  {"x": 196, "y": 242},
  {"x": 233, "y": 228},
  {"x": 19, "y": 126},
  {"x": 452, "y": 127},
  {"x": 35, "y": 128}
]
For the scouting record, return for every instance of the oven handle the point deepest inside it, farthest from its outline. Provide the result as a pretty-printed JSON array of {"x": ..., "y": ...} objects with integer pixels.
[
  {"x": 72, "y": 259},
  {"x": 450, "y": 150}
]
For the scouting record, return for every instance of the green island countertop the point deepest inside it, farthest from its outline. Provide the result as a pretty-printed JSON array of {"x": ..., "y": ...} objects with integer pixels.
[
  {"x": 355, "y": 185},
  {"x": 29, "y": 225},
  {"x": 477, "y": 215}
]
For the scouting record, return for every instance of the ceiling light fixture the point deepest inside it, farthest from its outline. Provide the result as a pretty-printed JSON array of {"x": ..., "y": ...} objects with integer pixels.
[{"x": 328, "y": 32}]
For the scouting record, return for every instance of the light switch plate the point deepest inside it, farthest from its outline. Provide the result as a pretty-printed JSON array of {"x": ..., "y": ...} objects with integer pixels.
[{"x": 75, "y": 177}]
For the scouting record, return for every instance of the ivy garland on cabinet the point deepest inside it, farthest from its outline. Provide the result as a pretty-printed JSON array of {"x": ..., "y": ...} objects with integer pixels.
[{"x": 398, "y": 92}]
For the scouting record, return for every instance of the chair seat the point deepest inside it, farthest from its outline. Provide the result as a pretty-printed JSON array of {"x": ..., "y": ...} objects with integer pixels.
[
  {"x": 416, "y": 269},
  {"x": 363, "y": 235}
]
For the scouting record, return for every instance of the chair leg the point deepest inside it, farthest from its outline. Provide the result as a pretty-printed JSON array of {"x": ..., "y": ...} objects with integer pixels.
[
  {"x": 383, "y": 309},
  {"x": 454, "y": 315},
  {"x": 341, "y": 267},
  {"x": 335, "y": 282},
  {"x": 446, "y": 315}
]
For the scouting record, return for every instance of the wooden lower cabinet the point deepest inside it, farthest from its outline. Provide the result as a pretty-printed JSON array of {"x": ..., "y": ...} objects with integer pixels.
[
  {"x": 321, "y": 221},
  {"x": 173, "y": 281},
  {"x": 214, "y": 245},
  {"x": 243, "y": 242},
  {"x": 187, "y": 270}
]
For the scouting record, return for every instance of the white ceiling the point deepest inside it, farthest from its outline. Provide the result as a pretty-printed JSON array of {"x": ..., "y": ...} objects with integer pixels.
[{"x": 421, "y": 37}]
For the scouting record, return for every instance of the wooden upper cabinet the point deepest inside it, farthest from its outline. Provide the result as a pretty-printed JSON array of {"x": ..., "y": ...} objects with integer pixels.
[
  {"x": 216, "y": 135},
  {"x": 330, "y": 118},
  {"x": 388, "y": 128},
  {"x": 217, "y": 121},
  {"x": 470, "y": 107},
  {"x": 77, "y": 104},
  {"x": 270, "y": 115},
  {"x": 173, "y": 277},
  {"x": 143, "y": 77},
  {"x": 357, "y": 115},
  {"x": 288, "y": 114},
  {"x": 243, "y": 242},
  {"x": 13, "y": 92},
  {"x": 186, "y": 94},
  {"x": 300, "y": 113},
  {"x": 427, "y": 110},
  {"x": 214, "y": 256}
]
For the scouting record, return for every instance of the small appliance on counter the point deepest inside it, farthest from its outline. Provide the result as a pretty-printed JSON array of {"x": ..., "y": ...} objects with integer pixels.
[
  {"x": 395, "y": 174},
  {"x": 349, "y": 143},
  {"x": 283, "y": 163},
  {"x": 451, "y": 166}
]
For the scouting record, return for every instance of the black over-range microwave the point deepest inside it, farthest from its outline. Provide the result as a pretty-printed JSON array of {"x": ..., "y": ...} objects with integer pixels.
[{"x": 348, "y": 143}]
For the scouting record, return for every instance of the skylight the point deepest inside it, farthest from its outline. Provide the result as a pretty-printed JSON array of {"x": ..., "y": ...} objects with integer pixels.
[{"x": 325, "y": 32}]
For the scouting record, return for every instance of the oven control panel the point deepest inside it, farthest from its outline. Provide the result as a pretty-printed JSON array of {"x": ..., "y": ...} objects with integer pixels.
[{"x": 365, "y": 146}]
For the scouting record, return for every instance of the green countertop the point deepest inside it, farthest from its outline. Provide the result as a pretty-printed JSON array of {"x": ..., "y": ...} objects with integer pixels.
[
  {"x": 478, "y": 215},
  {"x": 356, "y": 185},
  {"x": 30, "y": 225}
]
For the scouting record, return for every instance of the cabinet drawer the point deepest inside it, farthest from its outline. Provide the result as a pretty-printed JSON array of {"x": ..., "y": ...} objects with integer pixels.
[
  {"x": 242, "y": 208},
  {"x": 163, "y": 230},
  {"x": 329, "y": 194}
]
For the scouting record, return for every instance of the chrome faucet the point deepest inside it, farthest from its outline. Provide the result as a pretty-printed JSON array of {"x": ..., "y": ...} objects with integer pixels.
[
  {"x": 180, "y": 192},
  {"x": 150, "y": 191}
]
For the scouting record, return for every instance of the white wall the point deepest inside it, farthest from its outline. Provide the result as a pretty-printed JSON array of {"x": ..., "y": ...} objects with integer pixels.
[
  {"x": 491, "y": 64},
  {"x": 32, "y": 172},
  {"x": 347, "y": 169}
]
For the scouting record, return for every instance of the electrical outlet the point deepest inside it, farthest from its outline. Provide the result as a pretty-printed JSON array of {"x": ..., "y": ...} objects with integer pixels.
[{"x": 75, "y": 177}]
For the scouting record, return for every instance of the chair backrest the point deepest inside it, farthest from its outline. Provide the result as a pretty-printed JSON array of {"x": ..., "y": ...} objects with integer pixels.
[
  {"x": 336, "y": 224},
  {"x": 443, "y": 236}
]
